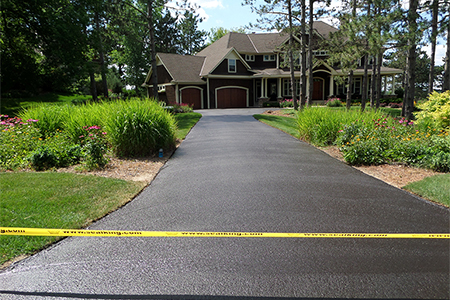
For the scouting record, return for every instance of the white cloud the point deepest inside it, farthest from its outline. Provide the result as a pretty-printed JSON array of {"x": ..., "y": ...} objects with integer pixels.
[{"x": 440, "y": 53}]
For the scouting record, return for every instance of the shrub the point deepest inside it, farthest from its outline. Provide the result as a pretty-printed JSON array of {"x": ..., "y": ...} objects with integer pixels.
[
  {"x": 435, "y": 112},
  {"x": 94, "y": 147},
  {"x": 334, "y": 102},
  {"x": 288, "y": 103},
  {"x": 43, "y": 158}
]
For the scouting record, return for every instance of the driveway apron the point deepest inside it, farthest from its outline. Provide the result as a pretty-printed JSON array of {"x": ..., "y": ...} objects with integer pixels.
[{"x": 233, "y": 173}]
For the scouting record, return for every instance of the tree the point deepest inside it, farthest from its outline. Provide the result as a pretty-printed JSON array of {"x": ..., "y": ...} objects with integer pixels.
[
  {"x": 218, "y": 32},
  {"x": 408, "y": 101},
  {"x": 191, "y": 38}
]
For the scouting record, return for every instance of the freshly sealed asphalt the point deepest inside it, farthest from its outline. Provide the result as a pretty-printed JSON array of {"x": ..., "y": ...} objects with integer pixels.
[{"x": 233, "y": 173}]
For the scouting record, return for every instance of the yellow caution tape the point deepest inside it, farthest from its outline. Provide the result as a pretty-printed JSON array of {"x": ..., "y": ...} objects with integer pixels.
[{"x": 122, "y": 233}]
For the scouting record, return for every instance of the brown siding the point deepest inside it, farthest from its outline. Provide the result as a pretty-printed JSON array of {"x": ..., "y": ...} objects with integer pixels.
[
  {"x": 222, "y": 69},
  {"x": 163, "y": 75}
]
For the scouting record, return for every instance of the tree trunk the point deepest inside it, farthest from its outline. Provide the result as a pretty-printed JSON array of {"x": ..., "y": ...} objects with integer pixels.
[
  {"x": 102, "y": 58},
  {"x": 378, "y": 86},
  {"x": 364, "y": 83},
  {"x": 151, "y": 28},
  {"x": 446, "y": 81},
  {"x": 434, "y": 24},
  {"x": 411, "y": 66},
  {"x": 291, "y": 58},
  {"x": 348, "y": 102},
  {"x": 303, "y": 55},
  {"x": 93, "y": 85},
  {"x": 373, "y": 82},
  {"x": 310, "y": 53}
]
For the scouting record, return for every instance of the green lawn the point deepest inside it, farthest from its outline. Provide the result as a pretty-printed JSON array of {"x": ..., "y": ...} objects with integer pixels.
[
  {"x": 185, "y": 123},
  {"x": 286, "y": 124},
  {"x": 55, "y": 200},
  {"x": 12, "y": 106},
  {"x": 435, "y": 188}
]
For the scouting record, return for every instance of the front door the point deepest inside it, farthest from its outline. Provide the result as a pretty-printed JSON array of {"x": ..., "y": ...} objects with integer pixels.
[{"x": 318, "y": 89}]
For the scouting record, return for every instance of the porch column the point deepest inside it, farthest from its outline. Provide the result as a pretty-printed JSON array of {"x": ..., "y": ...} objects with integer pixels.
[
  {"x": 207, "y": 92},
  {"x": 385, "y": 85},
  {"x": 331, "y": 85},
  {"x": 279, "y": 88},
  {"x": 262, "y": 88},
  {"x": 393, "y": 84},
  {"x": 177, "y": 94}
]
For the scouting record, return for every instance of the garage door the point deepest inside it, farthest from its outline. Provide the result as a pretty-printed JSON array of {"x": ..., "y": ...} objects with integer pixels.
[
  {"x": 192, "y": 97},
  {"x": 231, "y": 98}
]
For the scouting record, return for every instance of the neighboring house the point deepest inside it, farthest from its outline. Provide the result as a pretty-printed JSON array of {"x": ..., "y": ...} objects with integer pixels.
[{"x": 243, "y": 70}]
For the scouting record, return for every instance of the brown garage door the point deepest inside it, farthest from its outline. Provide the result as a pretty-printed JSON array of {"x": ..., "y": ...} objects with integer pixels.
[
  {"x": 192, "y": 97},
  {"x": 231, "y": 98}
]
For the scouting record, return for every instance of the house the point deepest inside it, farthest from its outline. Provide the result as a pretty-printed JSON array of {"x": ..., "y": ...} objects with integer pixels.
[{"x": 243, "y": 70}]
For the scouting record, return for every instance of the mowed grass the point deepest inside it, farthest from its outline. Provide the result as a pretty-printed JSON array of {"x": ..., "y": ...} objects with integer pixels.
[
  {"x": 286, "y": 124},
  {"x": 435, "y": 188},
  {"x": 13, "y": 106},
  {"x": 185, "y": 122},
  {"x": 55, "y": 200}
]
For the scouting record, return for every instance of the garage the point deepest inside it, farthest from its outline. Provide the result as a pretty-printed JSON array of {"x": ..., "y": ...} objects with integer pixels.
[
  {"x": 192, "y": 96},
  {"x": 231, "y": 97}
]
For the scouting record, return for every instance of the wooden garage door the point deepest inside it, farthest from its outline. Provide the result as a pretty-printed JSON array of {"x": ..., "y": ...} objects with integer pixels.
[
  {"x": 231, "y": 98},
  {"x": 192, "y": 96}
]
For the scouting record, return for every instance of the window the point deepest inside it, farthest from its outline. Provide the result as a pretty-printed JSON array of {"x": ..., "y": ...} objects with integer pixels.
[
  {"x": 269, "y": 57},
  {"x": 357, "y": 86},
  {"x": 249, "y": 57},
  {"x": 287, "y": 87},
  {"x": 231, "y": 65}
]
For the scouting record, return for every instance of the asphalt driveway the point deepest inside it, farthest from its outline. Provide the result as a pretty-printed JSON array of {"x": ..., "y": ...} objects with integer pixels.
[{"x": 233, "y": 173}]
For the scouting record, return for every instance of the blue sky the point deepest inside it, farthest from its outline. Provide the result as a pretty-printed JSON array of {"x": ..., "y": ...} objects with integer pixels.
[{"x": 231, "y": 14}]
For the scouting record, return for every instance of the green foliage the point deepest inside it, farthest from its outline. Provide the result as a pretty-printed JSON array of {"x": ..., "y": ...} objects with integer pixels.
[
  {"x": 320, "y": 126},
  {"x": 334, "y": 102},
  {"x": 388, "y": 140},
  {"x": 435, "y": 112},
  {"x": 51, "y": 117},
  {"x": 55, "y": 200},
  {"x": 287, "y": 103},
  {"x": 17, "y": 139},
  {"x": 138, "y": 127}
]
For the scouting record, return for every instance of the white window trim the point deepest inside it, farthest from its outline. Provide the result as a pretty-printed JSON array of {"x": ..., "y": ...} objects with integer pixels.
[
  {"x": 229, "y": 65},
  {"x": 249, "y": 57},
  {"x": 269, "y": 57}
]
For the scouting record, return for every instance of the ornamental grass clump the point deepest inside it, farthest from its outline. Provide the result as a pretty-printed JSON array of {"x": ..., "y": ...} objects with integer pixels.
[
  {"x": 138, "y": 127},
  {"x": 320, "y": 126}
]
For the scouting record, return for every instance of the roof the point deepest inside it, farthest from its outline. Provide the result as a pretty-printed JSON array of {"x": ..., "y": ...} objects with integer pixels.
[
  {"x": 183, "y": 68},
  {"x": 323, "y": 28}
]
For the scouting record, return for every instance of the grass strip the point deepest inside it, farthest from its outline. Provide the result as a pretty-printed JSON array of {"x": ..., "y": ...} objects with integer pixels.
[
  {"x": 286, "y": 124},
  {"x": 435, "y": 188},
  {"x": 185, "y": 122},
  {"x": 55, "y": 200}
]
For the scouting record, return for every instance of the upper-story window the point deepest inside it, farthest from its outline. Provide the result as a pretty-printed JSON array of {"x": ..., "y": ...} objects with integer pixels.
[
  {"x": 270, "y": 57},
  {"x": 231, "y": 65},
  {"x": 249, "y": 57}
]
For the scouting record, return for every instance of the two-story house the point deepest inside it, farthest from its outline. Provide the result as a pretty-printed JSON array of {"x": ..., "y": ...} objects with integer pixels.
[{"x": 242, "y": 70}]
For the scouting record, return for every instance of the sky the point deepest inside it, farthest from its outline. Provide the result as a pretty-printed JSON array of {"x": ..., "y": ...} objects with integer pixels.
[{"x": 231, "y": 14}]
